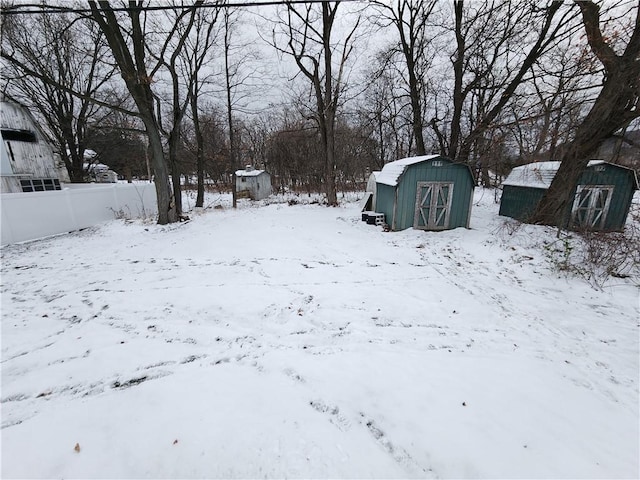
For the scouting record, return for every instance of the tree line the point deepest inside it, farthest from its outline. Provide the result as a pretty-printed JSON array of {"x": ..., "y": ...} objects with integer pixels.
[{"x": 167, "y": 92}]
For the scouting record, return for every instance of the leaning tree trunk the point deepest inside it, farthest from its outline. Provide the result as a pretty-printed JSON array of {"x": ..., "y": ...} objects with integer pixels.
[{"x": 604, "y": 119}]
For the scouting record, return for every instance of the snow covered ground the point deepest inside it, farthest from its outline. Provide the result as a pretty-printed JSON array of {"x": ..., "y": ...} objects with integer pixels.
[{"x": 297, "y": 341}]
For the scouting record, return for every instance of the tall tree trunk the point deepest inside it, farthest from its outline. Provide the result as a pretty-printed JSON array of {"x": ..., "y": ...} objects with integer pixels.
[
  {"x": 326, "y": 87},
  {"x": 199, "y": 149},
  {"x": 330, "y": 165},
  {"x": 458, "y": 96},
  {"x": 174, "y": 140},
  {"x": 416, "y": 113},
  {"x": 166, "y": 208},
  {"x": 133, "y": 71},
  {"x": 227, "y": 76},
  {"x": 232, "y": 153},
  {"x": 329, "y": 112}
]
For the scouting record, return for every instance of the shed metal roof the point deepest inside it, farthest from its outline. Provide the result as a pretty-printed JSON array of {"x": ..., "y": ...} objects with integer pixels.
[
  {"x": 540, "y": 174},
  {"x": 392, "y": 171}
]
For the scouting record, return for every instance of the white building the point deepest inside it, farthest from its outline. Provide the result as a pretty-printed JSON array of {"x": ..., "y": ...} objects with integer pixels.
[
  {"x": 255, "y": 184},
  {"x": 27, "y": 161}
]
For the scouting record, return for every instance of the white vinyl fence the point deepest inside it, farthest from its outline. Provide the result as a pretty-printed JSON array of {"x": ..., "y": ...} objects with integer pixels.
[{"x": 28, "y": 216}]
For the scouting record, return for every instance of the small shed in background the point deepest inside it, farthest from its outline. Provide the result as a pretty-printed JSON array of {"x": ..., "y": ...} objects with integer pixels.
[
  {"x": 27, "y": 161},
  {"x": 601, "y": 201},
  {"x": 429, "y": 192},
  {"x": 252, "y": 183}
]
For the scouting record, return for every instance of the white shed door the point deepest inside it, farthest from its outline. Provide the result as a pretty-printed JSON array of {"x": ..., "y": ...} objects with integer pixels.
[
  {"x": 433, "y": 205},
  {"x": 591, "y": 206}
]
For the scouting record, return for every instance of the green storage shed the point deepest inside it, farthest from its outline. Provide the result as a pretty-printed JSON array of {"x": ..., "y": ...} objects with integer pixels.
[
  {"x": 601, "y": 200},
  {"x": 429, "y": 192}
]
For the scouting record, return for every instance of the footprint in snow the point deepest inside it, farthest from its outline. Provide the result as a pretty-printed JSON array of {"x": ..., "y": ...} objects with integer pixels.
[
  {"x": 333, "y": 413},
  {"x": 293, "y": 375},
  {"x": 399, "y": 454}
]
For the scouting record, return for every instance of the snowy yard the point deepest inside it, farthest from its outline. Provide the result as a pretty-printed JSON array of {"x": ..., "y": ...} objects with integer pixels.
[{"x": 297, "y": 341}]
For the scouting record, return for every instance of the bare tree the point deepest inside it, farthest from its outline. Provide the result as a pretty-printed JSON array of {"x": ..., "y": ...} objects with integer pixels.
[
  {"x": 497, "y": 43},
  {"x": 308, "y": 39},
  {"x": 138, "y": 79},
  {"x": 195, "y": 33},
  {"x": 229, "y": 24},
  {"x": 256, "y": 134},
  {"x": 385, "y": 112},
  {"x": 46, "y": 52},
  {"x": 542, "y": 119},
  {"x": 119, "y": 142},
  {"x": 180, "y": 100},
  {"x": 197, "y": 51},
  {"x": 129, "y": 46},
  {"x": 410, "y": 19},
  {"x": 295, "y": 155},
  {"x": 357, "y": 155},
  {"x": 209, "y": 152},
  {"x": 615, "y": 107}
]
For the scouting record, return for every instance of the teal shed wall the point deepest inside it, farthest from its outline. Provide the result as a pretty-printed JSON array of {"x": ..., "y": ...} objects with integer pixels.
[
  {"x": 520, "y": 202},
  {"x": 385, "y": 200},
  {"x": 398, "y": 203}
]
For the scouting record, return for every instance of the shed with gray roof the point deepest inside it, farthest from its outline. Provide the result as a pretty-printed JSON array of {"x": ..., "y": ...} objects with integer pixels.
[
  {"x": 428, "y": 192},
  {"x": 252, "y": 183},
  {"x": 601, "y": 201}
]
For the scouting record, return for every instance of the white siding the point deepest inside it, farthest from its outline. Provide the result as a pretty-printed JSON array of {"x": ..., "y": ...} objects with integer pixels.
[
  {"x": 24, "y": 159},
  {"x": 258, "y": 186}
]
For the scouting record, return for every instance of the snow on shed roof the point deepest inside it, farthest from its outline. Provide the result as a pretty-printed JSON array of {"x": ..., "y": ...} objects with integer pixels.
[
  {"x": 538, "y": 174},
  {"x": 392, "y": 171},
  {"x": 248, "y": 173}
]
